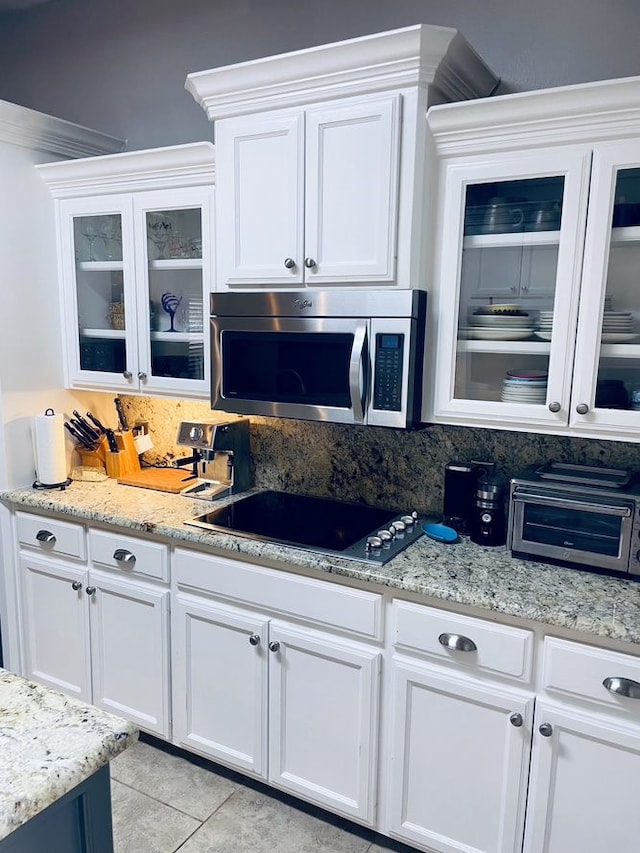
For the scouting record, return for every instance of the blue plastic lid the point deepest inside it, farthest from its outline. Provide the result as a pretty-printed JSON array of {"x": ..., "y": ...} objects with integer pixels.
[{"x": 440, "y": 532}]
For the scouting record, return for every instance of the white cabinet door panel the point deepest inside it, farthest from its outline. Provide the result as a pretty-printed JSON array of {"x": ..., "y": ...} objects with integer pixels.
[
  {"x": 130, "y": 651},
  {"x": 259, "y": 199},
  {"x": 351, "y": 191},
  {"x": 324, "y": 720},
  {"x": 220, "y": 683},
  {"x": 56, "y": 626},
  {"x": 582, "y": 793},
  {"x": 458, "y": 764}
]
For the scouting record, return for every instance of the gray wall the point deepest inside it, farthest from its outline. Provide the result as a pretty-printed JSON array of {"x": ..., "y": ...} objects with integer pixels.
[{"x": 120, "y": 66}]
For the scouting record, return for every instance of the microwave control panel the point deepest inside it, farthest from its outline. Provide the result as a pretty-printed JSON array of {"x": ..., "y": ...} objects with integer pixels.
[{"x": 388, "y": 364}]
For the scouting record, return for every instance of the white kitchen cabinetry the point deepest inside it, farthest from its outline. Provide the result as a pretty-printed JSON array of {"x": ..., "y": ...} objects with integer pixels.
[
  {"x": 101, "y": 636},
  {"x": 581, "y": 796},
  {"x": 309, "y": 196},
  {"x": 134, "y": 243},
  {"x": 320, "y": 155},
  {"x": 289, "y": 703},
  {"x": 460, "y": 740},
  {"x": 538, "y": 211}
]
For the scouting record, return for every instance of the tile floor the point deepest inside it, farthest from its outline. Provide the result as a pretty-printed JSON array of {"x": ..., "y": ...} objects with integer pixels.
[{"x": 164, "y": 801}]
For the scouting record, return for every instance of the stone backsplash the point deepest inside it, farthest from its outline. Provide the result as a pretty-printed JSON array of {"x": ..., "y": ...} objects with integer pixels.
[{"x": 377, "y": 466}]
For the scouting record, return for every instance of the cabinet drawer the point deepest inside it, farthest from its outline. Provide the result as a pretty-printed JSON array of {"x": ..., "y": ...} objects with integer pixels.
[
  {"x": 51, "y": 536},
  {"x": 573, "y": 671},
  {"x": 129, "y": 555},
  {"x": 323, "y": 603},
  {"x": 498, "y": 648}
]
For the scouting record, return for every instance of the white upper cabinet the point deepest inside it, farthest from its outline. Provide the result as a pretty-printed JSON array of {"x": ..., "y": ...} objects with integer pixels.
[
  {"x": 309, "y": 196},
  {"x": 535, "y": 317},
  {"x": 135, "y": 267},
  {"x": 320, "y": 157}
]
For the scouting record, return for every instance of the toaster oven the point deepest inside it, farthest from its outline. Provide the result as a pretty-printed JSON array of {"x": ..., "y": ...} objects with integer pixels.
[{"x": 586, "y": 517}]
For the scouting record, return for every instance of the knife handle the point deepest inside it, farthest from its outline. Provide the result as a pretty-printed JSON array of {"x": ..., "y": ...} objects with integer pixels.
[
  {"x": 111, "y": 441},
  {"x": 124, "y": 426},
  {"x": 98, "y": 425}
]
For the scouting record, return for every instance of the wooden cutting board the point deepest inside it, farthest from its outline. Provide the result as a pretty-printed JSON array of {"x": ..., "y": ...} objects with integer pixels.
[{"x": 160, "y": 479}]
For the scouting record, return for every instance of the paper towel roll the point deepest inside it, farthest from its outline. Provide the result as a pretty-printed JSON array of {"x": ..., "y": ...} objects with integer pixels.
[{"x": 49, "y": 448}]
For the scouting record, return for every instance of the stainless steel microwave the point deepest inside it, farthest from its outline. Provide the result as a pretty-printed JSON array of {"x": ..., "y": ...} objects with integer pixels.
[
  {"x": 586, "y": 517},
  {"x": 344, "y": 356}
]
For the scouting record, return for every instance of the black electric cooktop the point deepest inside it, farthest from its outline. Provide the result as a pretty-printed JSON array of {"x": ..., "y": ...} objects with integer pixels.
[{"x": 350, "y": 530}]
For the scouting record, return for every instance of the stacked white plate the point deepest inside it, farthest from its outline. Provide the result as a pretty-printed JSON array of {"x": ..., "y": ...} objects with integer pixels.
[
  {"x": 488, "y": 325},
  {"x": 525, "y": 386},
  {"x": 545, "y": 326},
  {"x": 617, "y": 327}
]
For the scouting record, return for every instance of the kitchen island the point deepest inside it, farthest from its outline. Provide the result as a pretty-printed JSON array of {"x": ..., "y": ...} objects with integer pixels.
[
  {"x": 487, "y": 581},
  {"x": 54, "y": 774}
]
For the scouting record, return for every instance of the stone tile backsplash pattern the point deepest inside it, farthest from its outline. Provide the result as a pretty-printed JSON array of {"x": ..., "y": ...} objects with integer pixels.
[{"x": 377, "y": 466}]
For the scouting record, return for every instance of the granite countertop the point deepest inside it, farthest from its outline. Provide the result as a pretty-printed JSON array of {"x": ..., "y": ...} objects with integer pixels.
[
  {"x": 464, "y": 573},
  {"x": 49, "y": 743}
]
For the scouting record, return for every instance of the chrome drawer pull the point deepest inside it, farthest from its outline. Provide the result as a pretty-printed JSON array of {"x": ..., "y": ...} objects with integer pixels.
[
  {"x": 623, "y": 687},
  {"x": 457, "y": 642},
  {"x": 254, "y": 639},
  {"x": 516, "y": 719},
  {"x": 545, "y": 729},
  {"x": 45, "y": 536},
  {"x": 124, "y": 556}
]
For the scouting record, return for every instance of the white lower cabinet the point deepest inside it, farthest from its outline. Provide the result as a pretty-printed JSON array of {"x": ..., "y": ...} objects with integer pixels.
[
  {"x": 290, "y": 704},
  {"x": 97, "y": 636}
]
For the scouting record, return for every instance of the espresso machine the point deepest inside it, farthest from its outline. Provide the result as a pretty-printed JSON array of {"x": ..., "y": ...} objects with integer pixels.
[{"x": 220, "y": 460}]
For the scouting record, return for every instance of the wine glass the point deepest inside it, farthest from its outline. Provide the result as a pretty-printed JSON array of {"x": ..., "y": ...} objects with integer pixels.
[
  {"x": 170, "y": 302},
  {"x": 111, "y": 233},
  {"x": 90, "y": 230},
  {"x": 159, "y": 230}
]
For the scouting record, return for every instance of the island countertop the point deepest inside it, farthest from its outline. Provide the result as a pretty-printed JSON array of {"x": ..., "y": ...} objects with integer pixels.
[
  {"x": 49, "y": 743},
  {"x": 488, "y": 579}
]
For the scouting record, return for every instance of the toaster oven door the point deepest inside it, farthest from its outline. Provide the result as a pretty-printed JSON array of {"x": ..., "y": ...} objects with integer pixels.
[{"x": 594, "y": 532}]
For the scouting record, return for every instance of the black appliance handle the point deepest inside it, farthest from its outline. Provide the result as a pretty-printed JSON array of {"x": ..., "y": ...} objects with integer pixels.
[{"x": 566, "y": 502}]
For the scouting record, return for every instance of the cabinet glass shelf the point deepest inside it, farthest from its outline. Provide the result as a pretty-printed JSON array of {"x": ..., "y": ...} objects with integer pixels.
[
  {"x": 520, "y": 238},
  {"x": 99, "y": 266},
  {"x": 103, "y": 333},
  {"x": 628, "y": 234},
  {"x": 176, "y": 264}
]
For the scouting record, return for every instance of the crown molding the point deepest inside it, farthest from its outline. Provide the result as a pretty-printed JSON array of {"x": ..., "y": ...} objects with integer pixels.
[
  {"x": 419, "y": 56},
  {"x": 38, "y": 131},
  {"x": 153, "y": 168},
  {"x": 587, "y": 112}
]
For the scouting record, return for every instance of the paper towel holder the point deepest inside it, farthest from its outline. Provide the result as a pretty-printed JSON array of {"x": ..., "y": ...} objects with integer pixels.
[{"x": 61, "y": 486}]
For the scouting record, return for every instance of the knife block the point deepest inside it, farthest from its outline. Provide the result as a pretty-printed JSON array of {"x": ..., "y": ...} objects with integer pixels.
[
  {"x": 94, "y": 458},
  {"x": 126, "y": 460}
]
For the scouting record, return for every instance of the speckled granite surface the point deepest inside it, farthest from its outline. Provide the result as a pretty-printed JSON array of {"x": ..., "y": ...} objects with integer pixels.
[
  {"x": 463, "y": 573},
  {"x": 49, "y": 743}
]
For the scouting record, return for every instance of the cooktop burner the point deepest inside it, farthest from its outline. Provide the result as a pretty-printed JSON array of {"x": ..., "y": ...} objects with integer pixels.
[{"x": 349, "y": 530}]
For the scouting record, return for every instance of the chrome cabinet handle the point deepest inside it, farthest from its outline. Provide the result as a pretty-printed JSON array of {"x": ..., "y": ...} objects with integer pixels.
[
  {"x": 516, "y": 719},
  {"x": 554, "y": 407},
  {"x": 622, "y": 687},
  {"x": 545, "y": 729},
  {"x": 76, "y": 585},
  {"x": 309, "y": 263},
  {"x": 289, "y": 263},
  {"x": 457, "y": 642},
  {"x": 124, "y": 556},
  {"x": 254, "y": 639},
  {"x": 91, "y": 590},
  {"x": 142, "y": 376},
  {"x": 582, "y": 408},
  {"x": 45, "y": 536},
  {"x": 274, "y": 646},
  {"x": 127, "y": 374}
]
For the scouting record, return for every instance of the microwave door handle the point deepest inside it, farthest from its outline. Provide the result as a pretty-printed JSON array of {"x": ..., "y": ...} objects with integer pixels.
[
  {"x": 357, "y": 372},
  {"x": 569, "y": 503}
]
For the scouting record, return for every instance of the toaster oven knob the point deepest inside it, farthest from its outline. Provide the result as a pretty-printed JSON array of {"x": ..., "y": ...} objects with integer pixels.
[
  {"x": 408, "y": 520},
  {"x": 374, "y": 543},
  {"x": 387, "y": 537},
  {"x": 554, "y": 407},
  {"x": 196, "y": 433},
  {"x": 399, "y": 526}
]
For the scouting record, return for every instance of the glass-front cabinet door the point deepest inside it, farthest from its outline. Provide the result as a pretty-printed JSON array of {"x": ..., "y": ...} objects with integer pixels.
[
  {"x": 135, "y": 291},
  {"x": 606, "y": 397},
  {"x": 509, "y": 275},
  {"x": 173, "y": 260},
  {"x": 99, "y": 304}
]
